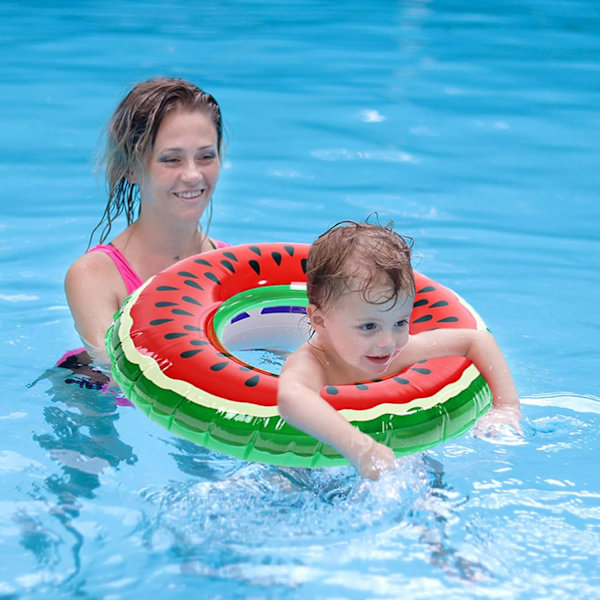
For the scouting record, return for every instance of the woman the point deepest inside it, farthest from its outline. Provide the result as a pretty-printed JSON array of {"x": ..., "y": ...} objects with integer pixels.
[{"x": 162, "y": 165}]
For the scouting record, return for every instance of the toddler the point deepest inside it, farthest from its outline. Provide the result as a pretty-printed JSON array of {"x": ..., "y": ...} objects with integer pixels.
[{"x": 361, "y": 291}]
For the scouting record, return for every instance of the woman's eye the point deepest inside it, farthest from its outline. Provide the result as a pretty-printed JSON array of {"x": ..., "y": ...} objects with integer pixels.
[{"x": 209, "y": 156}]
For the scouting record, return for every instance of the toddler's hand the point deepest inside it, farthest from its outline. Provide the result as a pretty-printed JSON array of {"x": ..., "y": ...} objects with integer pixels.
[
  {"x": 375, "y": 460},
  {"x": 493, "y": 421}
]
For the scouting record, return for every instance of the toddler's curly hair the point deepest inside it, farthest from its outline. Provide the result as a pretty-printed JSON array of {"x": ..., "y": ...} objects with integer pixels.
[{"x": 353, "y": 256}]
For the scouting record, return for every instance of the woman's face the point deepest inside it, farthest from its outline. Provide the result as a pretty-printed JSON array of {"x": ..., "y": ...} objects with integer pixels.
[{"x": 180, "y": 174}]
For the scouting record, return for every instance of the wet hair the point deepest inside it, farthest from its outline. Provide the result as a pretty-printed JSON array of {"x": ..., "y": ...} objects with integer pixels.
[
  {"x": 131, "y": 134},
  {"x": 355, "y": 256}
]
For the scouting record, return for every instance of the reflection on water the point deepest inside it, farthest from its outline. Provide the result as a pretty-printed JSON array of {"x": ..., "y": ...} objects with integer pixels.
[
  {"x": 81, "y": 438},
  {"x": 211, "y": 525},
  {"x": 452, "y": 517},
  {"x": 267, "y": 359},
  {"x": 221, "y": 511}
]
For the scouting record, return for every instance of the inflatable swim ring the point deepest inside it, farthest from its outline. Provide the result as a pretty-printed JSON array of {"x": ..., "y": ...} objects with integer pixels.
[{"x": 172, "y": 347}]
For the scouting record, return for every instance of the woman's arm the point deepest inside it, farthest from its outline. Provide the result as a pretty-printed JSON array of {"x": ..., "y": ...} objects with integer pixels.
[
  {"x": 300, "y": 404},
  {"x": 93, "y": 287}
]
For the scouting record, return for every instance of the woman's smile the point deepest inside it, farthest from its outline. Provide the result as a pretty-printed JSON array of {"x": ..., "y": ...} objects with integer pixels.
[{"x": 191, "y": 195}]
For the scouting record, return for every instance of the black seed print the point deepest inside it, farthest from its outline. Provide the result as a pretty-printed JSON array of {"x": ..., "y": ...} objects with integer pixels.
[
  {"x": 174, "y": 336},
  {"x": 332, "y": 390},
  {"x": 256, "y": 250},
  {"x": 187, "y": 274},
  {"x": 230, "y": 255},
  {"x": 422, "y": 371},
  {"x": 166, "y": 288},
  {"x": 163, "y": 304},
  {"x": 255, "y": 265},
  {"x": 218, "y": 366},
  {"x": 212, "y": 277},
  {"x": 362, "y": 386},
  {"x": 253, "y": 381},
  {"x": 192, "y": 328},
  {"x": 401, "y": 380},
  {"x": 289, "y": 250},
  {"x": 201, "y": 261},
  {"x": 303, "y": 265},
  {"x": 276, "y": 257},
  {"x": 426, "y": 290},
  {"x": 228, "y": 265},
  {"x": 191, "y": 300},
  {"x": 423, "y": 319},
  {"x": 421, "y": 303},
  {"x": 193, "y": 284},
  {"x": 439, "y": 304},
  {"x": 247, "y": 368},
  {"x": 190, "y": 353},
  {"x": 448, "y": 320},
  {"x": 199, "y": 342},
  {"x": 160, "y": 321},
  {"x": 183, "y": 313}
]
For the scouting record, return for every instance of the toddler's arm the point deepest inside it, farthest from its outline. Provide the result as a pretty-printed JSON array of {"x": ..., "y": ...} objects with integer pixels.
[
  {"x": 300, "y": 404},
  {"x": 481, "y": 349}
]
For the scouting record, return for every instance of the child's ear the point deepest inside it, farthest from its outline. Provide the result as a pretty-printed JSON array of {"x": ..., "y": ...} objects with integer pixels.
[{"x": 316, "y": 317}]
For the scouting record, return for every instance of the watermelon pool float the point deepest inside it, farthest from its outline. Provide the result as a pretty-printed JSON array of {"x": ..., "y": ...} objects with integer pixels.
[{"x": 173, "y": 352}]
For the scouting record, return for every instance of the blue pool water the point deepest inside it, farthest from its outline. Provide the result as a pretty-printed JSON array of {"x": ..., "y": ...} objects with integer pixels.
[{"x": 474, "y": 126}]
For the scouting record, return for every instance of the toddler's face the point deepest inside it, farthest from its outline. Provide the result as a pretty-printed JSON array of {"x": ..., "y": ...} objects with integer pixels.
[{"x": 368, "y": 336}]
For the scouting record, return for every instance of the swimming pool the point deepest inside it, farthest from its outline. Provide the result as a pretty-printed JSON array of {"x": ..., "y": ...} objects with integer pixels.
[{"x": 472, "y": 126}]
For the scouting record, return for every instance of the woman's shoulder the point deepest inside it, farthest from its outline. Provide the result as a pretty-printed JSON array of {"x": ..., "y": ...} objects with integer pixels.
[
  {"x": 90, "y": 262},
  {"x": 91, "y": 270}
]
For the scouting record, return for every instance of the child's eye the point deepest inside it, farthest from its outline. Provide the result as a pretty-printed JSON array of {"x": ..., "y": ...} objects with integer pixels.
[
  {"x": 368, "y": 326},
  {"x": 401, "y": 323}
]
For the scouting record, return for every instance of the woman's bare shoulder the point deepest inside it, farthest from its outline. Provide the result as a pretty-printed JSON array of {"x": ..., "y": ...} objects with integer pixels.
[
  {"x": 94, "y": 279},
  {"x": 94, "y": 290},
  {"x": 92, "y": 268}
]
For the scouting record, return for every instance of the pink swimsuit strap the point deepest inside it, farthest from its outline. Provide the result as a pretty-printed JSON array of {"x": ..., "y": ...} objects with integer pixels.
[{"x": 130, "y": 277}]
